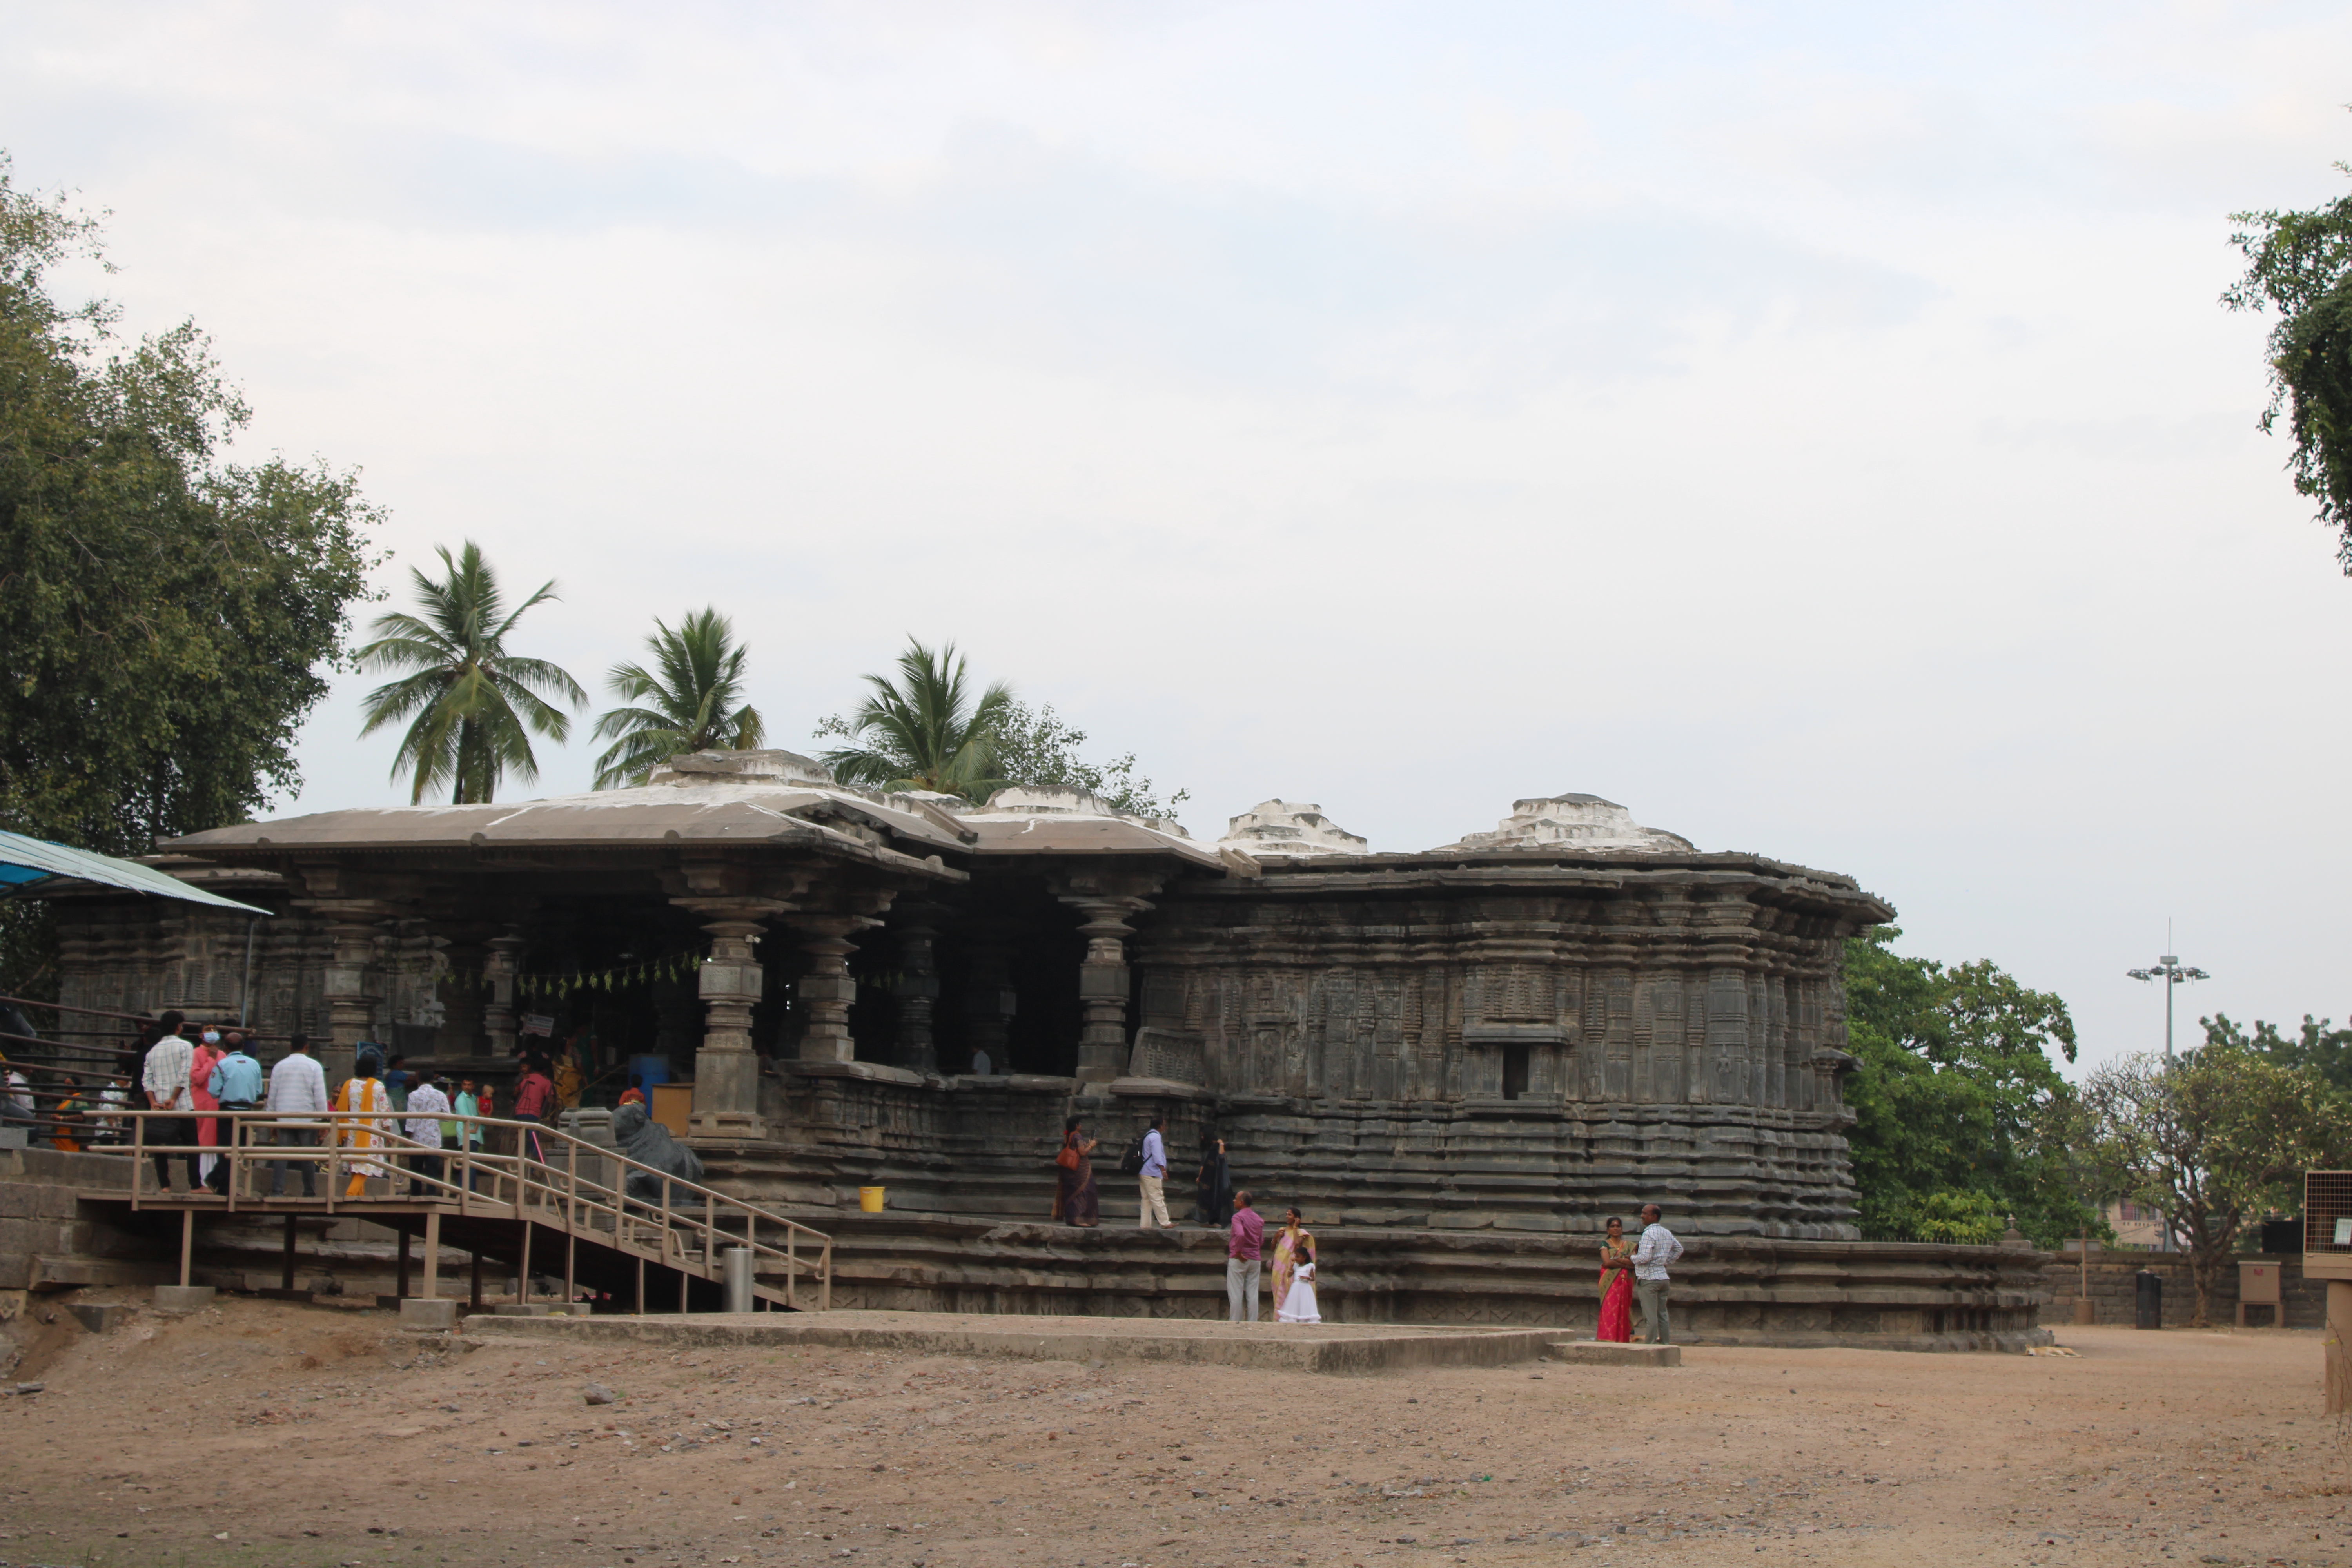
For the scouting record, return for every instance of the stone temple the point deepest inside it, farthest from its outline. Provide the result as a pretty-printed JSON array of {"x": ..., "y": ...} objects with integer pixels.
[{"x": 1457, "y": 1062}]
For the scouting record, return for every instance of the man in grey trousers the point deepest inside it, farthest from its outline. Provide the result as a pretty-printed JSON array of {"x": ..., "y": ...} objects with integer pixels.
[
  {"x": 1244, "y": 1256},
  {"x": 1657, "y": 1249}
]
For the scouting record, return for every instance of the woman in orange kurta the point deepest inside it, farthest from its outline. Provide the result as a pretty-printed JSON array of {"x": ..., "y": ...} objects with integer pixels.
[{"x": 371, "y": 1125}]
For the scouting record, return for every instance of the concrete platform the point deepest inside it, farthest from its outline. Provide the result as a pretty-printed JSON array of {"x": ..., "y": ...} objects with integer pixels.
[
  {"x": 1607, "y": 1353},
  {"x": 1288, "y": 1347}
]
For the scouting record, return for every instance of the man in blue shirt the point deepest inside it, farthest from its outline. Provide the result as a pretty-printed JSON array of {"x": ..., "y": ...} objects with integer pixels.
[
  {"x": 1154, "y": 1209},
  {"x": 236, "y": 1083}
]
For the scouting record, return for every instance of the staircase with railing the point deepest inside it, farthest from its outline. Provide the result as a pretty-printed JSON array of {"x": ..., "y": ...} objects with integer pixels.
[{"x": 507, "y": 1187}]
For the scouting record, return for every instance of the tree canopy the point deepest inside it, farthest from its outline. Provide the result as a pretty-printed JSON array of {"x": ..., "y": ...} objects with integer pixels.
[
  {"x": 1036, "y": 746},
  {"x": 925, "y": 730},
  {"x": 170, "y": 617},
  {"x": 1954, "y": 1084},
  {"x": 689, "y": 700},
  {"x": 2318, "y": 1046},
  {"x": 471, "y": 704},
  {"x": 2212, "y": 1140},
  {"x": 2300, "y": 265}
]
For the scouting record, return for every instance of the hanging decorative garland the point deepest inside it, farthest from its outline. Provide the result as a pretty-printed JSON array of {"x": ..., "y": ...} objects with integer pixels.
[{"x": 646, "y": 972}]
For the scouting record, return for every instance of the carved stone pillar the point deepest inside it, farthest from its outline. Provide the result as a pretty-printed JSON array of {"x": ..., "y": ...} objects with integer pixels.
[
  {"x": 461, "y": 997},
  {"x": 1102, "y": 986},
  {"x": 989, "y": 1003},
  {"x": 352, "y": 984},
  {"x": 918, "y": 990},
  {"x": 827, "y": 990},
  {"x": 726, "y": 1068},
  {"x": 501, "y": 1017}
]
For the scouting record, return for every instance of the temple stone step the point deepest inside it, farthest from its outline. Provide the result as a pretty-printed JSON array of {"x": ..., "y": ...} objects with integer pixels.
[{"x": 1606, "y": 1352}]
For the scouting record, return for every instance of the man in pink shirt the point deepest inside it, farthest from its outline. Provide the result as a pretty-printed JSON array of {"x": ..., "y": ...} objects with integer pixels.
[{"x": 1244, "y": 1258}]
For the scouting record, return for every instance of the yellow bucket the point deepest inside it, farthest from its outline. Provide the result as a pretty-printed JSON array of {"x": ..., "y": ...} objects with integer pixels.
[{"x": 870, "y": 1199}]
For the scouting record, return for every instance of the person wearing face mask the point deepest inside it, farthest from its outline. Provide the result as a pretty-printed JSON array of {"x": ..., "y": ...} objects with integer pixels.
[{"x": 207, "y": 1057}]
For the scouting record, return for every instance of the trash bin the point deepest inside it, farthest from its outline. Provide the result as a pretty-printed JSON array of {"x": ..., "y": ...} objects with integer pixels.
[
  {"x": 2148, "y": 1299},
  {"x": 869, "y": 1199}
]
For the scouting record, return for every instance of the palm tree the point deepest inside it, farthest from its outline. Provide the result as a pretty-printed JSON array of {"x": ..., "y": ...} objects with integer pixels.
[
  {"x": 700, "y": 678},
  {"x": 471, "y": 702},
  {"x": 924, "y": 732}
]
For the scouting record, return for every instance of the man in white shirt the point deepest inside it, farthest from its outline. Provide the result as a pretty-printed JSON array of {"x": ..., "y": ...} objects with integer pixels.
[
  {"x": 165, "y": 1080},
  {"x": 1153, "y": 1179},
  {"x": 298, "y": 1086},
  {"x": 1657, "y": 1249},
  {"x": 427, "y": 1106}
]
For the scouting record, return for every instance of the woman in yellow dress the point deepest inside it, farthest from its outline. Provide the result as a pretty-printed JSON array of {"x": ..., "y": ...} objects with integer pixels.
[
  {"x": 368, "y": 1121},
  {"x": 569, "y": 1081},
  {"x": 1294, "y": 1247}
]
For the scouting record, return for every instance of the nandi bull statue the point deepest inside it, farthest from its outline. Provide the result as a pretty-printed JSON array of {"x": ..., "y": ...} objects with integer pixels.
[{"x": 648, "y": 1142}]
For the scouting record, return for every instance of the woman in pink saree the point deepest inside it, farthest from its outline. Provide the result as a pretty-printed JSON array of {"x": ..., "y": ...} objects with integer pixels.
[{"x": 1616, "y": 1286}]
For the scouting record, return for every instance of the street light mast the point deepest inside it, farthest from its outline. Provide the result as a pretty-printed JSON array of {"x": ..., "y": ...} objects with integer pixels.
[{"x": 2171, "y": 971}]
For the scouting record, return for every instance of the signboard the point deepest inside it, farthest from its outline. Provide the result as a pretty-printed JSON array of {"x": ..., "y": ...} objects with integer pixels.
[{"x": 537, "y": 1023}]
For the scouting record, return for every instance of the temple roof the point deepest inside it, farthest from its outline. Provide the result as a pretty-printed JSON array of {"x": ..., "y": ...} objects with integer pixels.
[{"x": 727, "y": 798}]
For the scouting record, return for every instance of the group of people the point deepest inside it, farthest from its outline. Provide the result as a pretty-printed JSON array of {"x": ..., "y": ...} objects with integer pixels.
[
  {"x": 1077, "y": 1197},
  {"x": 1078, "y": 1201},
  {"x": 1294, "y": 1297},
  {"x": 390, "y": 1117},
  {"x": 1635, "y": 1277}
]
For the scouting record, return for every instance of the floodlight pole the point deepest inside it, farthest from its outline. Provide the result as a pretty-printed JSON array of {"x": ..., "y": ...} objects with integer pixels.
[{"x": 2171, "y": 971}]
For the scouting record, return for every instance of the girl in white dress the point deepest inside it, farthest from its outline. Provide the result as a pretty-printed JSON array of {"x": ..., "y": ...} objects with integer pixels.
[
  {"x": 1298, "y": 1303},
  {"x": 1300, "y": 1306}
]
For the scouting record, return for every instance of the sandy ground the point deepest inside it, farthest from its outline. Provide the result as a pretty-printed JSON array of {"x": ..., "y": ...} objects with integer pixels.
[{"x": 266, "y": 1433}]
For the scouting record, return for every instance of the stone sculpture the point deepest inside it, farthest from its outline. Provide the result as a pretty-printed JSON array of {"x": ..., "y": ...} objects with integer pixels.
[{"x": 648, "y": 1142}]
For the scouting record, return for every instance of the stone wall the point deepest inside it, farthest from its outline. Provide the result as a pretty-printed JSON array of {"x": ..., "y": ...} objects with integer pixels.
[
  {"x": 50, "y": 1238},
  {"x": 1523, "y": 1041},
  {"x": 2114, "y": 1286},
  {"x": 1731, "y": 1291}
]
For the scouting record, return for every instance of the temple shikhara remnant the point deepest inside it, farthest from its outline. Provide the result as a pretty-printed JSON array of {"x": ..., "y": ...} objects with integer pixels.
[{"x": 1458, "y": 1059}]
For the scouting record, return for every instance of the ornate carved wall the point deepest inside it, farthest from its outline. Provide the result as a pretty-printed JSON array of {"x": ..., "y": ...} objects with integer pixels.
[{"x": 1517, "y": 1041}]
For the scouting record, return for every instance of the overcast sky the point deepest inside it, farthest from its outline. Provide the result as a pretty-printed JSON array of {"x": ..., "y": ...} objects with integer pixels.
[{"x": 1814, "y": 427}]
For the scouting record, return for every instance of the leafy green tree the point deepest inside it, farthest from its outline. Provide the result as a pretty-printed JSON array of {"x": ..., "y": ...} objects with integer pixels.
[
  {"x": 2323, "y": 1048},
  {"x": 2212, "y": 1139},
  {"x": 1035, "y": 746},
  {"x": 2300, "y": 264},
  {"x": 925, "y": 730},
  {"x": 470, "y": 705},
  {"x": 1955, "y": 1078},
  {"x": 170, "y": 617},
  {"x": 690, "y": 700}
]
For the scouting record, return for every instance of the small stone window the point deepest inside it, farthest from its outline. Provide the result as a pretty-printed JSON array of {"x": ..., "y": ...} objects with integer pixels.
[{"x": 1515, "y": 1072}]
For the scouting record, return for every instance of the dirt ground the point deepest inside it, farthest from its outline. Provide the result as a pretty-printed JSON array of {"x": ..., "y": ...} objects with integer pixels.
[{"x": 263, "y": 1433}]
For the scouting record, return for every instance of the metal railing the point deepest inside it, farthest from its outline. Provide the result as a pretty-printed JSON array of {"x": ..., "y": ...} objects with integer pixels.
[{"x": 687, "y": 1230}]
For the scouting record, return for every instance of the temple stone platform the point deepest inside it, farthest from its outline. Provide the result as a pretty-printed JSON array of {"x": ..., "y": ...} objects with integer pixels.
[
  {"x": 1285, "y": 1347},
  {"x": 1727, "y": 1291}
]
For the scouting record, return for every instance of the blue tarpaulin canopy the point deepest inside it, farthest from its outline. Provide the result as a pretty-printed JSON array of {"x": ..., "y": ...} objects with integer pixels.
[{"x": 28, "y": 865}]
